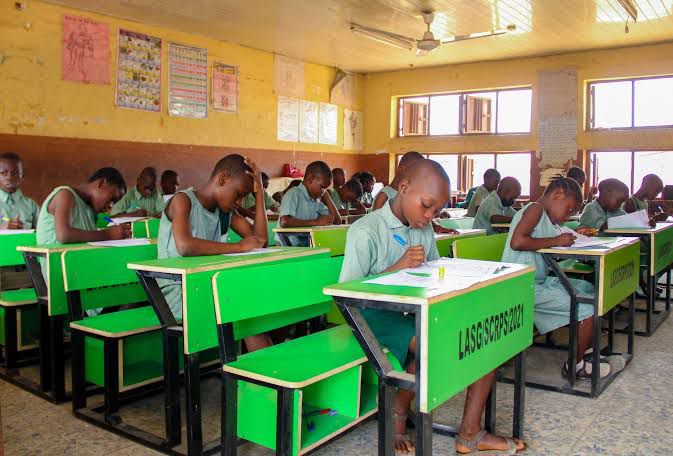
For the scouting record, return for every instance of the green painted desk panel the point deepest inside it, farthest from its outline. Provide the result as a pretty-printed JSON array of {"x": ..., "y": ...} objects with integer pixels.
[
  {"x": 445, "y": 242},
  {"x": 9, "y": 256},
  {"x": 335, "y": 240},
  {"x": 662, "y": 249},
  {"x": 458, "y": 223},
  {"x": 619, "y": 279},
  {"x": 153, "y": 227}
]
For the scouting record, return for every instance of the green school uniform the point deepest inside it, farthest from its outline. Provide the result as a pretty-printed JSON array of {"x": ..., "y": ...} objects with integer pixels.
[
  {"x": 370, "y": 249},
  {"x": 336, "y": 199},
  {"x": 479, "y": 195},
  {"x": 83, "y": 217},
  {"x": 299, "y": 204},
  {"x": 639, "y": 204},
  {"x": 594, "y": 216},
  {"x": 390, "y": 192},
  {"x": 552, "y": 302},
  {"x": 16, "y": 205},
  {"x": 133, "y": 200},
  {"x": 490, "y": 206},
  {"x": 249, "y": 201},
  {"x": 367, "y": 199},
  {"x": 203, "y": 224}
]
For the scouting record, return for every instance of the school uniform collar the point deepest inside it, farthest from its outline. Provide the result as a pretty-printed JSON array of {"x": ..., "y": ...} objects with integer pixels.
[
  {"x": 4, "y": 196},
  {"x": 304, "y": 192},
  {"x": 389, "y": 218}
]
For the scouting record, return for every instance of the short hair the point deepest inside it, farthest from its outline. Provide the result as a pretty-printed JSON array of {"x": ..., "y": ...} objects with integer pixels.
[
  {"x": 568, "y": 185},
  {"x": 338, "y": 170},
  {"x": 265, "y": 176},
  {"x": 364, "y": 176},
  {"x": 11, "y": 156},
  {"x": 168, "y": 174},
  {"x": 653, "y": 177},
  {"x": 613, "y": 185},
  {"x": 436, "y": 167},
  {"x": 111, "y": 175},
  {"x": 575, "y": 172},
  {"x": 491, "y": 173},
  {"x": 318, "y": 168},
  {"x": 355, "y": 186},
  {"x": 149, "y": 171},
  {"x": 232, "y": 165},
  {"x": 410, "y": 157}
]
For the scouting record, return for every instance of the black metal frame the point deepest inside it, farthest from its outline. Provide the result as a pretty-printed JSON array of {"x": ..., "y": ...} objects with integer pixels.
[{"x": 390, "y": 379}]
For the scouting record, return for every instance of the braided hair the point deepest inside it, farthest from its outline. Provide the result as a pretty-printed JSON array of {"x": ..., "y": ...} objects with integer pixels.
[{"x": 569, "y": 186}]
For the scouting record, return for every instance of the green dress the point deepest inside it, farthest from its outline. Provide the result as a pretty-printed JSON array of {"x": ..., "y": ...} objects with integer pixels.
[
  {"x": 204, "y": 224},
  {"x": 299, "y": 204},
  {"x": 479, "y": 195},
  {"x": 336, "y": 199},
  {"x": 133, "y": 200},
  {"x": 16, "y": 205},
  {"x": 390, "y": 192},
  {"x": 83, "y": 217},
  {"x": 491, "y": 206},
  {"x": 552, "y": 301},
  {"x": 371, "y": 249}
]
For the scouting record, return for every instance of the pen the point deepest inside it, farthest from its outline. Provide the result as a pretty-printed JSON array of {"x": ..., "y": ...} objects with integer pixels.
[
  {"x": 110, "y": 221},
  {"x": 400, "y": 240}
]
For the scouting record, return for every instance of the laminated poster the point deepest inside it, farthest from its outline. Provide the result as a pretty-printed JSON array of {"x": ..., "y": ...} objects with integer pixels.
[
  {"x": 225, "y": 87},
  {"x": 187, "y": 81},
  {"x": 328, "y": 124},
  {"x": 288, "y": 119},
  {"x": 308, "y": 122},
  {"x": 139, "y": 71}
]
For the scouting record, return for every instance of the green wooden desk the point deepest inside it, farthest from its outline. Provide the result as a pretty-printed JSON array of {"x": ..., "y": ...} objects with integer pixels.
[
  {"x": 309, "y": 231},
  {"x": 445, "y": 241},
  {"x": 616, "y": 269},
  {"x": 446, "y": 361},
  {"x": 659, "y": 257},
  {"x": 198, "y": 328},
  {"x": 457, "y": 223}
]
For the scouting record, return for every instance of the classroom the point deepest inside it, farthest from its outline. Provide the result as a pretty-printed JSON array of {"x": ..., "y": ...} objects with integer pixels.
[{"x": 336, "y": 227}]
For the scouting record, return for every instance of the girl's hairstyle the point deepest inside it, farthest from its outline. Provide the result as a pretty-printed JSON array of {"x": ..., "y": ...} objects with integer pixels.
[
  {"x": 569, "y": 186},
  {"x": 355, "y": 186},
  {"x": 575, "y": 172}
]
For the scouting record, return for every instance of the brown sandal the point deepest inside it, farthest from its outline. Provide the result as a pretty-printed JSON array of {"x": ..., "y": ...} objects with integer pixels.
[{"x": 473, "y": 445}]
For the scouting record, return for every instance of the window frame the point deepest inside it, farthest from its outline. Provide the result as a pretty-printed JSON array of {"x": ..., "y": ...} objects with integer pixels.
[
  {"x": 461, "y": 111},
  {"x": 591, "y": 176},
  {"x": 591, "y": 103}
]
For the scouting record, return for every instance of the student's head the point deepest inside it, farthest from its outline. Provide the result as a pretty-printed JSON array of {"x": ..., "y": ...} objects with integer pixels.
[
  {"x": 563, "y": 197},
  {"x": 407, "y": 161},
  {"x": 169, "y": 182},
  {"x": 367, "y": 180},
  {"x": 338, "y": 177},
  {"x": 108, "y": 187},
  {"x": 317, "y": 178},
  {"x": 11, "y": 172},
  {"x": 423, "y": 192},
  {"x": 509, "y": 190},
  {"x": 265, "y": 181},
  {"x": 491, "y": 179},
  {"x": 611, "y": 194},
  {"x": 231, "y": 180},
  {"x": 652, "y": 186},
  {"x": 147, "y": 181},
  {"x": 352, "y": 191},
  {"x": 577, "y": 173}
]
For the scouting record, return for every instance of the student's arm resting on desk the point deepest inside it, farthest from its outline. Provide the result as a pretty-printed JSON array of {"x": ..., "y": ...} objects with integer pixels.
[
  {"x": 61, "y": 207},
  {"x": 522, "y": 239}
]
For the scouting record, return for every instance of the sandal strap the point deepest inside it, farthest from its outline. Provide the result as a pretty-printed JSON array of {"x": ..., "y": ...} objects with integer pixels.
[{"x": 471, "y": 444}]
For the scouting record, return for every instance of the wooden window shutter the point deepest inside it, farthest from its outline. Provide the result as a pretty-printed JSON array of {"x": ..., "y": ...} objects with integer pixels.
[
  {"x": 478, "y": 114},
  {"x": 415, "y": 117}
]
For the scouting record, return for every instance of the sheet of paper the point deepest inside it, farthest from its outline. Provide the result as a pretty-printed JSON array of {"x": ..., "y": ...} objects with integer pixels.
[
  {"x": 288, "y": 76},
  {"x": 167, "y": 197},
  {"x": 288, "y": 119},
  {"x": 120, "y": 243},
  {"x": 327, "y": 133},
  {"x": 669, "y": 220},
  {"x": 578, "y": 237},
  {"x": 122, "y": 220},
  {"x": 254, "y": 252},
  {"x": 592, "y": 243},
  {"x": 638, "y": 219},
  {"x": 308, "y": 121},
  {"x": 16, "y": 231}
]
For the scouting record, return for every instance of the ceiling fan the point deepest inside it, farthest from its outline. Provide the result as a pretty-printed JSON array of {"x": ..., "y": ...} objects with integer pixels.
[{"x": 428, "y": 42}]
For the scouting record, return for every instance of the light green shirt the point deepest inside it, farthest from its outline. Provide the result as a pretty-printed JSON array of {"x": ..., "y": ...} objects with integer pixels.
[
  {"x": 367, "y": 199},
  {"x": 298, "y": 203},
  {"x": 82, "y": 217},
  {"x": 594, "y": 216},
  {"x": 340, "y": 205},
  {"x": 390, "y": 192},
  {"x": 479, "y": 195},
  {"x": 640, "y": 204},
  {"x": 371, "y": 249},
  {"x": 133, "y": 200},
  {"x": 249, "y": 201},
  {"x": 16, "y": 205},
  {"x": 490, "y": 206}
]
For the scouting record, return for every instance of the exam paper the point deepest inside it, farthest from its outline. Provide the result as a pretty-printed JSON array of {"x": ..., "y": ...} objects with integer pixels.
[
  {"x": 584, "y": 242},
  {"x": 638, "y": 219},
  {"x": 16, "y": 231},
  {"x": 258, "y": 251},
  {"x": 121, "y": 243},
  {"x": 167, "y": 197},
  {"x": 122, "y": 220}
]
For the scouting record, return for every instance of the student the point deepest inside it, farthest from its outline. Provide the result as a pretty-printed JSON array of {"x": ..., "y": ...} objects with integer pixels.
[
  {"x": 278, "y": 196},
  {"x": 68, "y": 215},
  {"x": 611, "y": 195},
  {"x": 143, "y": 200},
  {"x": 371, "y": 249},
  {"x": 536, "y": 227},
  {"x": 577, "y": 173},
  {"x": 338, "y": 178},
  {"x": 347, "y": 198},
  {"x": 650, "y": 188},
  {"x": 170, "y": 183},
  {"x": 491, "y": 181},
  {"x": 309, "y": 203},
  {"x": 390, "y": 191},
  {"x": 367, "y": 180},
  {"x": 497, "y": 207},
  {"x": 248, "y": 201},
  {"x": 195, "y": 222},
  {"x": 16, "y": 210}
]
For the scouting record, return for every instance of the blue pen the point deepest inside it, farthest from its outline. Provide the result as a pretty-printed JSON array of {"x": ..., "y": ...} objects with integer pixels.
[
  {"x": 109, "y": 220},
  {"x": 400, "y": 240}
]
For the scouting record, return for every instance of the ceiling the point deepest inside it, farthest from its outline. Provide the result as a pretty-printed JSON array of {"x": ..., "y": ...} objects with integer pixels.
[{"x": 318, "y": 30}]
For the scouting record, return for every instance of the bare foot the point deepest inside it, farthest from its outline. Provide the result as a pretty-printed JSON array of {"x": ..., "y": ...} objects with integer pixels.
[
  {"x": 489, "y": 442},
  {"x": 403, "y": 443}
]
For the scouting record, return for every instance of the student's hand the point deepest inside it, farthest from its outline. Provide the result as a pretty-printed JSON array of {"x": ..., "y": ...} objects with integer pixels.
[
  {"x": 256, "y": 174},
  {"x": 587, "y": 231},
  {"x": 12, "y": 224},
  {"x": 653, "y": 221},
  {"x": 250, "y": 242},
  {"x": 118, "y": 232},
  {"x": 412, "y": 258},
  {"x": 564, "y": 240},
  {"x": 323, "y": 220},
  {"x": 136, "y": 213}
]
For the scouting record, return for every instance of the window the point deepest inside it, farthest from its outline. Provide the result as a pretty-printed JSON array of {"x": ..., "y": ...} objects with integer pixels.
[
  {"x": 613, "y": 164},
  {"x": 632, "y": 103},
  {"x": 631, "y": 166},
  {"x": 659, "y": 162},
  {"x": 450, "y": 165},
  {"x": 516, "y": 165},
  {"x": 500, "y": 111}
]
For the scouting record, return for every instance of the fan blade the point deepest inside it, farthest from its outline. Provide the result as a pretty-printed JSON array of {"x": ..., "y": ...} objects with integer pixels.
[
  {"x": 382, "y": 34},
  {"x": 472, "y": 36}
]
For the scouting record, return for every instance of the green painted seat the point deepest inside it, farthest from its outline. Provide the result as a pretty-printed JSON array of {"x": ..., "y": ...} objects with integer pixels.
[
  {"x": 120, "y": 324},
  {"x": 487, "y": 248},
  {"x": 22, "y": 297}
]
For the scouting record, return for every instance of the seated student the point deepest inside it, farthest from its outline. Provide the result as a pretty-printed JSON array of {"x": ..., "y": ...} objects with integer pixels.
[
  {"x": 577, "y": 173},
  {"x": 16, "y": 210},
  {"x": 347, "y": 198},
  {"x": 170, "y": 183},
  {"x": 371, "y": 249},
  {"x": 367, "y": 180},
  {"x": 491, "y": 181},
  {"x": 309, "y": 203},
  {"x": 536, "y": 227},
  {"x": 650, "y": 188},
  {"x": 246, "y": 208},
  {"x": 611, "y": 195},
  {"x": 278, "y": 196},
  {"x": 390, "y": 191},
  {"x": 497, "y": 206},
  {"x": 338, "y": 178},
  {"x": 68, "y": 215},
  {"x": 143, "y": 200}
]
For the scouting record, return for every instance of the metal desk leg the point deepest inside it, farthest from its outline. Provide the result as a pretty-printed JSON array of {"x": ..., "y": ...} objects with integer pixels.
[
  {"x": 386, "y": 409},
  {"x": 172, "y": 392},
  {"x": 519, "y": 394},
  {"x": 57, "y": 357},
  {"x": 423, "y": 434},
  {"x": 611, "y": 331},
  {"x": 650, "y": 296},
  {"x": 632, "y": 323},
  {"x": 11, "y": 346},
  {"x": 596, "y": 353},
  {"x": 668, "y": 289},
  {"x": 284, "y": 425},
  {"x": 45, "y": 347},
  {"x": 193, "y": 405},
  {"x": 229, "y": 430}
]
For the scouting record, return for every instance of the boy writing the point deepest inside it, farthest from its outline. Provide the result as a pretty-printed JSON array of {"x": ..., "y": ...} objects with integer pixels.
[
  {"x": 497, "y": 207},
  {"x": 143, "y": 200},
  {"x": 16, "y": 210},
  {"x": 611, "y": 195},
  {"x": 367, "y": 180},
  {"x": 650, "y": 188},
  {"x": 389, "y": 192},
  {"x": 491, "y": 181}
]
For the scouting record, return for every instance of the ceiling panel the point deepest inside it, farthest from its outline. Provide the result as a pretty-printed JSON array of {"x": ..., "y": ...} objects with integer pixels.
[{"x": 318, "y": 30}]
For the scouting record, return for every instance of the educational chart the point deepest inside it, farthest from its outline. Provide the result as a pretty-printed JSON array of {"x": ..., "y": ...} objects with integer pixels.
[
  {"x": 352, "y": 130},
  {"x": 327, "y": 133},
  {"x": 557, "y": 116},
  {"x": 139, "y": 71},
  {"x": 187, "y": 81},
  {"x": 86, "y": 51},
  {"x": 288, "y": 119},
  {"x": 288, "y": 76},
  {"x": 225, "y": 87},
  {"x": 308, "y": 121}
]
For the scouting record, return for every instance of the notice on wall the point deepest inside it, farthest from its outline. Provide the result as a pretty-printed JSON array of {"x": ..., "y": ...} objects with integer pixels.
[
  {"x": 187, "y": 81},
  {"x": 343, "y": 91},
  {"x": 352, "y": 130},
  {"x": 288, "y": 76},
  {"x": 225, "y": 87},
  {"x": 86, "y": 51},
  {"x": 288, "y": 119},
  {"x": 557, "y": 116},
  {"x": 308, "y": 122},
  {"x": 327, "y": 132},
  {"x": 557, "y": 140},
  {"x": 138, "y": 71}
]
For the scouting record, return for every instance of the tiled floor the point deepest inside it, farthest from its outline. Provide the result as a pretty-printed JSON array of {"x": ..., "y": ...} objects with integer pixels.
[{"x": 633, "y": 417}]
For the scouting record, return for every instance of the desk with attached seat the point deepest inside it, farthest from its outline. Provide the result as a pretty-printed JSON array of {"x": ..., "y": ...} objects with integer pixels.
[{"x": 308, "y": 231}]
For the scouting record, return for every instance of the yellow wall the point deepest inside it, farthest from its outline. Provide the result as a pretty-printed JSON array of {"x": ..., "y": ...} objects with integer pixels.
[
  {"x": 381, "y": 88},
  {"x": 35, "y": 101}
]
